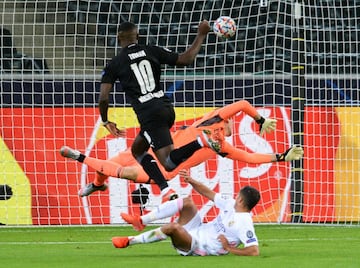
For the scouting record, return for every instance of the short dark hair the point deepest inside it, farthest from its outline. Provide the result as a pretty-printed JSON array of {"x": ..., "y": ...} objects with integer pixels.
[
  {"x": 250, "y": 195},
  {"x": 126, "y": 26}
]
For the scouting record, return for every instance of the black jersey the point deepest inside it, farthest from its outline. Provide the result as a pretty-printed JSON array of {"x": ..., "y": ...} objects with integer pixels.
[{"x": 138, "y": 68}]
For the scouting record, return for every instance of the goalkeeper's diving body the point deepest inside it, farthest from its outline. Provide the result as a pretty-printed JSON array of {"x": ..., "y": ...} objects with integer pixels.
[
  {"x": 218, "y": 122},
  {"x": 232, "y": 226}
]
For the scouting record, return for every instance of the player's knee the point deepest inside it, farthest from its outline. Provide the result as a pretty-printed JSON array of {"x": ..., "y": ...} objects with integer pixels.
[
  {"x": 168, "y": 168},
  {"x": 168, "y": 164},
  {"x": 170, "y": 228},
  {"x": 188, "y": 203}
]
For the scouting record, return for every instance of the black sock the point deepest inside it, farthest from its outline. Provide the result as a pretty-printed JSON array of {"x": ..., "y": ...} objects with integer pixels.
[
  {"x": 179, "y": 155},
  {"x": 152, "y": 169},
  {"x": 81, "y": 158}
]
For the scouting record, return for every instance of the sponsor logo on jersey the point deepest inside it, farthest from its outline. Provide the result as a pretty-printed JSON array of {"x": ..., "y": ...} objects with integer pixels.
[{"x": 150, "y": 96}]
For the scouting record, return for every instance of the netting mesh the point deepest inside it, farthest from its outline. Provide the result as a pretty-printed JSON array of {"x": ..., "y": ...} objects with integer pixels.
[{"x": 297, "y": 61}]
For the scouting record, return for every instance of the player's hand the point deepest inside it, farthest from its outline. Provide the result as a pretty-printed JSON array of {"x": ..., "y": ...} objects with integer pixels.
[
  {"x": 224, "y": 242},
  {"x": 204, "y": 27},
  {"x": 185, "y": 174},
  {"x": 111, "y": 127},
  {"x": 268, "y": 125},
  {"x": 293, "y": 153}
]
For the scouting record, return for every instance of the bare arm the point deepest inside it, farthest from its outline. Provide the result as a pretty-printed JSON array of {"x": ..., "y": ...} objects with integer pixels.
[
  {"x": 189, "y": 55},
  {"x": 248, "y": 251},
  {"x": 198, "y": 186},
  {"x": 105, "y": 89}
]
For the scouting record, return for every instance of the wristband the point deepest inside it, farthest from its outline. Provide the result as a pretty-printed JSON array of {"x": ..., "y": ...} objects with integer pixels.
[
  {"x": 280, "y": 157},
  {"x": 104, "y": 123},
  {"x": 260, "y": 121}
]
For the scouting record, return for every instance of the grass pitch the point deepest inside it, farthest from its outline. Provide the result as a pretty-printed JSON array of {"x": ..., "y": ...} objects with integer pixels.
[{"x": 280, "y": 246}]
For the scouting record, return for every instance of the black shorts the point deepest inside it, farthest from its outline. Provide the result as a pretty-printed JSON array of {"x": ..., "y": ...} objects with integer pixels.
[
  {"x": 158, "y": 137},
  {"x": 155, "y": 126},
  {"x": 157, "y": 115}
]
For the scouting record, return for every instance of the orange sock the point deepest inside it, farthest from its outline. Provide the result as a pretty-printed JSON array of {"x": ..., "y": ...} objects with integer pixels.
[
  {"x": 106, "y": 167},
  {"x": 99, "y": 179}
]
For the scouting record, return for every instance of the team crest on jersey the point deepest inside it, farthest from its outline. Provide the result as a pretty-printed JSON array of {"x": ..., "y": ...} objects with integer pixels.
[
  {"x": 231, "y": 223},
  {"x": 249, "y": 234},
  {"x": 251, "y": 237}
]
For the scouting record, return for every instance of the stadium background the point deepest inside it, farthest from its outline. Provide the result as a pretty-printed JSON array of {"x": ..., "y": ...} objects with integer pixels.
[{"x": 50, "y": 87}]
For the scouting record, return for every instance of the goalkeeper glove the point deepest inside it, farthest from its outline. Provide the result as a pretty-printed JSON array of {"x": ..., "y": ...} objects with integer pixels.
[
  {"x": 266, "y": 125},
  {"x": 293, "y": 153}
]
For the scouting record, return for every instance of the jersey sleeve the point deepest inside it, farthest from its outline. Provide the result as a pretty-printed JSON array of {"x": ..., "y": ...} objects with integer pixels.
[
  {"x": 246, "y": 230},
  {"x": 223, "y": 203},
  {"x": 237, "y": 154},
  {"x": 166, "y": 56},
  {"x": 108, "y": 75},
  {"x": 240, "y": 106}
]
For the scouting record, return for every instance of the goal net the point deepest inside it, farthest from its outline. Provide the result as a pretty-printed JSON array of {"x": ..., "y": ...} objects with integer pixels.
[{"x": 296, "y": 61}]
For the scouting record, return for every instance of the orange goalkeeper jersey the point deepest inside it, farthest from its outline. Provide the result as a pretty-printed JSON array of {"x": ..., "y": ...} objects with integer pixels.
[{"x": 213, "y": 121}]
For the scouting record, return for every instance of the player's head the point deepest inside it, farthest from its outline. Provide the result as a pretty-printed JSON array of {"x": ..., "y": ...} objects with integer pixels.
[
  {"x": 228, "y": 127},
  {"x": 127, "y": 33},
  {"x": 250, "y": 197}
]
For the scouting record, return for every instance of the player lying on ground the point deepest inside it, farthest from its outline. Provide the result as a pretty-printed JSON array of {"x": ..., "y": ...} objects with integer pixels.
[
  {"x": 189, "y": 235},
  {"x": 218, "y": 122}
]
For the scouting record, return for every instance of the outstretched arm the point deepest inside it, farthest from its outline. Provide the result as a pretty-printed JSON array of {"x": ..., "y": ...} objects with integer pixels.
[
  {"x": 230, "y": 110},
  {"x": 189, "y": 55},
  {"x": 266, "y": 124},
  {"x": 246, "y": 157},
  {"x": 293, "y": 153},
  {"x": 198, "y": 186}
]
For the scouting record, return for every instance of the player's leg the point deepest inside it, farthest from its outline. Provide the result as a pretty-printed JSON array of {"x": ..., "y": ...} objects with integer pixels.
[
  {"x": 104, "y": 168},
  {"x": 162, "y": 142},
  {"x": 171, "y": 158},
  {"x": 180, "y": 238},
  {"x": 185, "y": 206},
  {"x": 151, "y": 236},
  {"x": 139, "y": 150},
  {"x": 164, "y": 151}
]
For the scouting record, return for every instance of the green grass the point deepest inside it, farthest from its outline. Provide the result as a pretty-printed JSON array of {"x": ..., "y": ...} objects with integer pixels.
[{"x": 280, "y": 246}]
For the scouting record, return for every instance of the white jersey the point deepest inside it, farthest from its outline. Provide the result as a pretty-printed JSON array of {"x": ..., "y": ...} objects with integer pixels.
[{"x": 238, "y": 228}]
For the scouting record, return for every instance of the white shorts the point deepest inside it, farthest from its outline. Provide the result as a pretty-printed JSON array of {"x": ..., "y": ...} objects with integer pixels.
[
  {"x": 201, "y": 244},
  {"x": 192, "y": 225}
]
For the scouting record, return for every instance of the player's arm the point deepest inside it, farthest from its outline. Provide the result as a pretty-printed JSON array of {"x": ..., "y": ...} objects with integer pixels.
[
  {"x": 105, "y": 89},
  {"x": 198, "y": 186},
  {"x": 266, "y": 124},
  {"x": 189, "y": 55},
  {"x": 293, "y": 153},
  {"x": 246, "y": 251},
  {"x": 237, "y": 154}
]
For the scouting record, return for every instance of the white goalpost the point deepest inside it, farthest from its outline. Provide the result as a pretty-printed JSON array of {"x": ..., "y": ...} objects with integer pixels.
[{"x": 297, "y": 61}]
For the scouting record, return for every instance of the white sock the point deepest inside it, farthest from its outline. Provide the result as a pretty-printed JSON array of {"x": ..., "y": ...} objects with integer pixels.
[
  {"x": 165, "y": 190},
  {"x": 163, "y": 211},
  {"x": 148, "y": 237},
  {"x": 198, "y": 139}
]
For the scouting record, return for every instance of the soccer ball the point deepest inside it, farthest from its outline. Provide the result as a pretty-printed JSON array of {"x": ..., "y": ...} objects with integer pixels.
[{"x": 224, "y": 27}]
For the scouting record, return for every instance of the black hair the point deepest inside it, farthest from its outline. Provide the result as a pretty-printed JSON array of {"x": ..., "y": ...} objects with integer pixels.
[
  {"x": 250, "y": 195},
  {"x": 126, "y": 26}
]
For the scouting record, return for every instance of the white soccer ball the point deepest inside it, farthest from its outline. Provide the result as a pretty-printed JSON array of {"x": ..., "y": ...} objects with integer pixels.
[{"x": 224, "y": 27}]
